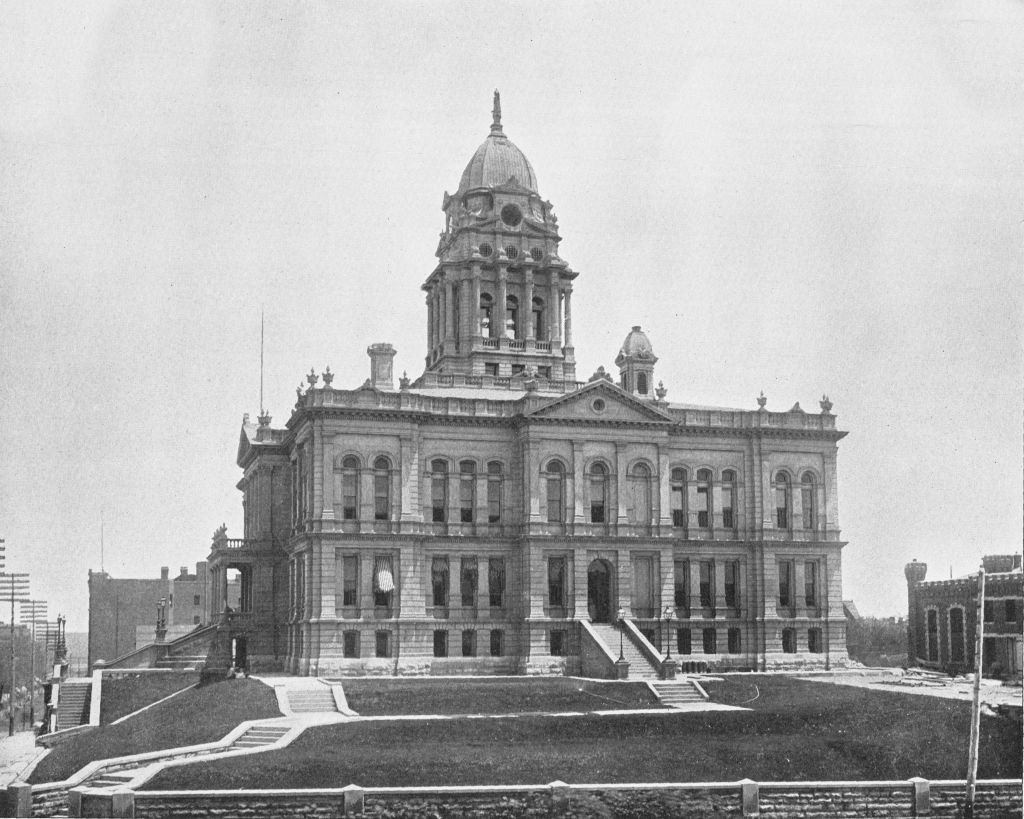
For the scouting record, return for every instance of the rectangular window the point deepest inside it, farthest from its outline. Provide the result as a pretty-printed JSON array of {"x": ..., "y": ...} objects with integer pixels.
[
  {"x": 195, "y": 619},
  {"x": 683, "y": 641},
  {"x": 710, "y": 641},
  {"x": 807, "y": 501},
  {"x": 678, "y": 506},
  {"x": 956, "y": 635},
  {"x": 439, "y": 497},
  {"x": 497, "y": 643},
  {"x": 467, "y": 582},
  {"x": 682, "y": 589},
  {"x": 703, "y": 506},
  {"x": 933, "y": 635},
  {"x": 491, "y": 369},
  {"x": 727, "y": 518},
  {"x": 1011, "y": 612},
  {"x": 707, "y": 584},
  {"x": 735, "y": 645},
  {"x": 789, "y": 640},
  {"x": 518, "y": 369},
  {"x": 467, "y": 496},
  {"x": 556, "y": 581},
  {"x": 349, "y": 566},
  {"x": 381, "y": 496},
  {"x": 439, "y": 581},
  {"x": 195, "y": 600},
  {"x": 383, "y": 581},
  {"x": 349, "y": 495},
  {"x": 990, "y": 611},
  {"x": 554, "y": 494},
  {"x": 543, "y": 372},
  {"x": 383, "y": 644},
  {"x": 732, "y": 582},
  {"x": 781, "y": 507},
  {"x": 350, "y": 643},
  {"x": 785, "y": 584},
  {"x": 814, "y": 640},
  {"x": 469, "y": 643},
  {"x": 811, "y": 584},
  {"x": 494, "y": 499},
  {"x": 557, "y": 638},
  {"x": 440, "y": 643},
  {"x": 496, "y": 582}
]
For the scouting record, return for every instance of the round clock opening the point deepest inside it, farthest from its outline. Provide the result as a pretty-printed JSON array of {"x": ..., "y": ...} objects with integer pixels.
[{"x": 511, "y": 215}]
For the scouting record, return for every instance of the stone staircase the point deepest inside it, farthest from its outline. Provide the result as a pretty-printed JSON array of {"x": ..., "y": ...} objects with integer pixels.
[
  {"x": 679, "y": 693},
  {"x": 73, "y": 703},
  {"x": 640, "y": 668},
  {"x": 189, "y": 651},
  {"x": 259, "y": 735},
  {"x": 316, "y": 699}
]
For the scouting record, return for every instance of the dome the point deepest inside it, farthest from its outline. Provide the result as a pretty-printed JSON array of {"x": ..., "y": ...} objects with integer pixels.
[
  {"x": 496, "y": 160},
  {"x": 636, "y": 345}
]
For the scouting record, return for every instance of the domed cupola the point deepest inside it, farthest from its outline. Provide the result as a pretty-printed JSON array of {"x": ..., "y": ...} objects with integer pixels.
[
  {"x": 636, "y": 360},
  {"x": 497, "y": 162}
]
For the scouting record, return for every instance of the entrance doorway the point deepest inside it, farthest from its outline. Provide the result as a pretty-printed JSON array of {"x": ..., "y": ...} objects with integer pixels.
[
  {"x": 599, "y": 591},
  {"x": 239, "y": 657}
]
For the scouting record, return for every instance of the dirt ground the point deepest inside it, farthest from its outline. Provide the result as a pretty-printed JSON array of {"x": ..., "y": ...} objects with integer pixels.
[{"x": 933, "y": 685}]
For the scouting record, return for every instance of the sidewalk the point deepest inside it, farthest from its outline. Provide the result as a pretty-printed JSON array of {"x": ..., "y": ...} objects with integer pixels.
[{"x": 16, "y": 754}]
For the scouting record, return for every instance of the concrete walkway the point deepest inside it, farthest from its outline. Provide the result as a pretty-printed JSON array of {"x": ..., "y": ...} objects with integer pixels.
[{"x": 18, "y": 754}]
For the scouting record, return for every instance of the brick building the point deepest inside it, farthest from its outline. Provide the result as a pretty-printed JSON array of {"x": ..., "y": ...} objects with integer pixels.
[
  {"x": 496, "y": 515},
  {"x": 942, "y": 618},
  {"x": 123, "y": 612}
]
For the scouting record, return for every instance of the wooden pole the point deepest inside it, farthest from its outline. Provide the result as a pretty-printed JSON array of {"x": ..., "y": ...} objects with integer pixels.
[{"x": 972, "y": 754}]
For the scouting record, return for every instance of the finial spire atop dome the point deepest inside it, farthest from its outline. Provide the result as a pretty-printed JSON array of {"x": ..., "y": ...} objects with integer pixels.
[{"x": 496, "y": 113}]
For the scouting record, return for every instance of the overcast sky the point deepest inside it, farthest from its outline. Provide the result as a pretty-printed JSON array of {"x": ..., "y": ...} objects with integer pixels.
[{"x": 803, "y": 198}]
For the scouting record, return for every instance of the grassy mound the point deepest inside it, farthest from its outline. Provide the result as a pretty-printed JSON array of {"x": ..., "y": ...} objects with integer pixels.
[
  {"x": 500, "y": 695},
  {"x": 196, "y": 716},
  {"x": 796, "y": 730},
  {"x": 123, "y": 695}
]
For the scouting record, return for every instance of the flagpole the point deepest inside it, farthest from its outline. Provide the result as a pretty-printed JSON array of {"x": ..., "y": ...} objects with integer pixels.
[{"x": 972, "y": 754}]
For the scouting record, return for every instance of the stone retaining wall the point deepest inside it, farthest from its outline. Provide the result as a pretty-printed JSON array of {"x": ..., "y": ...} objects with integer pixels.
[{"x": 908, "y": 798}]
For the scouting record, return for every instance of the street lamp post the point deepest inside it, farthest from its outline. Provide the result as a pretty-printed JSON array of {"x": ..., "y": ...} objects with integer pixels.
[
  {"x": 621, "y": 614},
  {"x": 668, "y": 615}
]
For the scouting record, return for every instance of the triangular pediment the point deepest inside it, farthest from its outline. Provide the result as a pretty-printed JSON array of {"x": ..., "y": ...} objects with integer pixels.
[{"x": 601, "y": 401}]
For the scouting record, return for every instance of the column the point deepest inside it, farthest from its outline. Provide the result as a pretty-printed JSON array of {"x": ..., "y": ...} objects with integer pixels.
[
  {"x": 580, "y": 564},
  {"x": 666, "y": 559},
  {"x": 527, "y": 306},
  {"x": 621, "y": 489},
  {"x": 554, "y": 314},
  {"x": 474, "y": 308},
  {"x": 716, "y": 508},
  {"x": 800, "y": 585},
  {"x": 664, "y": 476},
  {"x": 720, "y": 589},
  {"x": 364, "y": 510},
  {"x": 365, "y": 583},
  {"x": 568, "y": 317},
  {"x": 411, "y": 597},
  {"x": 410, "y": 476},
  {"x": 830, "y": 504},
  {"x": 624, "y": 573},
  {"x": 578, "y": 494},
  {"x": 430, "y": 321},
  {"x": 696, "y": 609},
  {"x": 449, "y": 308},
  {"x": 483, "y": 597},
  {"x": 498, "y": 321}
]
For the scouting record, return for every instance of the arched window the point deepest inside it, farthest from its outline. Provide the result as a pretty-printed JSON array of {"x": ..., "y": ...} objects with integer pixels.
[
  {"x": 467, "y": 491},
  {"x": 704, "y": 498},
  {"x": 641, "y": 383},
  {"x": 782, "y": 500},
  {"x": 511, "y": 316},
  {"x": 728, "y": 499},
  {"x": 677, "y": 491},
  {"x": 555, "y": 491},
  {"x": 598, "y": 492},
  {"x": 486, "y": 313},
  {"x": 494, "y": 480},
  {"x": 439, "y": 490},
  {"x": 641, "y": 485},
  {"x": 538, "y": 318},
  {"x": 808, "y": 497},
  {"x": 382, "y": 489},
  {"x": 350, "y": 488}
]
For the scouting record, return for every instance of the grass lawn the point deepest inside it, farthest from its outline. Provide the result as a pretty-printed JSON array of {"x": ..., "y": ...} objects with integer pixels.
[
  {"x": 124, "y": 695},
  {"x": 501, "y": 695},
  {"x": 200, "y": 715},
  {"x": 797, "y": 730}
]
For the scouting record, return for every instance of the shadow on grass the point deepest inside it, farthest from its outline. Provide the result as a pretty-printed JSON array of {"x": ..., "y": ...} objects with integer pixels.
[{"x": 200, "y": 715}]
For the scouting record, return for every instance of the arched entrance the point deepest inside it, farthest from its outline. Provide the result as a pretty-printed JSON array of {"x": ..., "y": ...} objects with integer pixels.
[{"x": 599, "y": 591}]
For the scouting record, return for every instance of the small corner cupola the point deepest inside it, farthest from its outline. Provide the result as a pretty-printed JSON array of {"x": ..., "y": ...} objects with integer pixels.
[{"x": 636, "y": 362}]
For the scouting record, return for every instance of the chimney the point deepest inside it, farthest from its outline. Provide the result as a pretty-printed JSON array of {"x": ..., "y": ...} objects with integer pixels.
[
  {"x": 382, "y": 356},
  {"x": 164, "y": 572},
  {"x": 184, "y": 571}
]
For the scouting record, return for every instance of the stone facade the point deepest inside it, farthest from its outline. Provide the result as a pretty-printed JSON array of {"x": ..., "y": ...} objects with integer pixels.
[
  {"x": 942, "y": 618},
  {"x": 470, "y": 520}
]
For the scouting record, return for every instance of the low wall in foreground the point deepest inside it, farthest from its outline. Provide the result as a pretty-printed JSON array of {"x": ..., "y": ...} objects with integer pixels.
[{"x": 904, "y": 798}]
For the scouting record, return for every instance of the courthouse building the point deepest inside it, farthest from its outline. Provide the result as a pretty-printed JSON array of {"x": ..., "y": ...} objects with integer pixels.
[{"x": 497, "y": 515}]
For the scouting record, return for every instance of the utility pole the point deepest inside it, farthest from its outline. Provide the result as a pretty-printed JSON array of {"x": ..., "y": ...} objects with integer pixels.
[
  {"x": 35, "y": 611},
  {"x": 14, "y": 586},
  {"x": 972, "y": 754}
]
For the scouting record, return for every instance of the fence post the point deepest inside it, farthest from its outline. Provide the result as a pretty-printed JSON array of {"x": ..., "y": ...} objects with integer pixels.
[
  {"x": 922, "y": 796},
  {"x": 559, "y": 797},
  {"x": 352, "y": 799},
  {"x": 19, "y": 799},
  {"x": 751, "y": 795},
  {"x": 122, "y": 804},
  {"x": 75, "y": 801}
]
